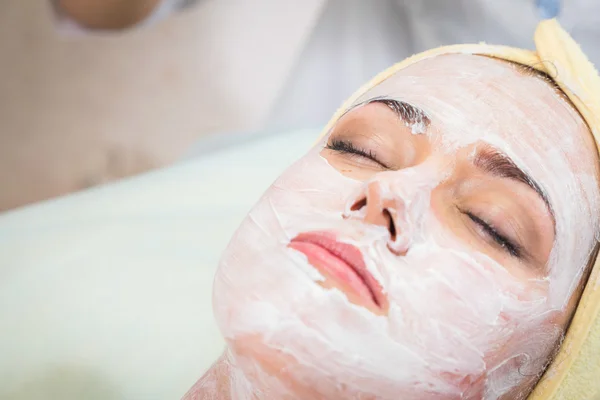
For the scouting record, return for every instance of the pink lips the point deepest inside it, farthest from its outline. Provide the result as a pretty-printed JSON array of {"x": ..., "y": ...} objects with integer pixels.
[{"x": 343, "y": 264}]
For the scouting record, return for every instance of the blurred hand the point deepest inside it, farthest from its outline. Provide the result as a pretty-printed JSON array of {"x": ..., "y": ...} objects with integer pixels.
[{"x": 107, "y": 14}]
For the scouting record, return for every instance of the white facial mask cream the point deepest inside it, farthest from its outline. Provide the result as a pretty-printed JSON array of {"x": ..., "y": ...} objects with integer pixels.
[{"x": 457, "y": 324}]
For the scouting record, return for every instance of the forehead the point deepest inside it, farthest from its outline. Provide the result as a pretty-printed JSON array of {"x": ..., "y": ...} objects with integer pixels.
[{"x": 471, "y": 99}]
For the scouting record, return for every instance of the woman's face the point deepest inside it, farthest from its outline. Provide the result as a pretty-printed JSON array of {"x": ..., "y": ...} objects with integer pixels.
[{"x": 429, "y": 246}]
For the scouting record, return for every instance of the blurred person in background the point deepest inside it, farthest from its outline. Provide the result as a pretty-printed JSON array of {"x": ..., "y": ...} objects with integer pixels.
[{"x": 93, "y": 91}]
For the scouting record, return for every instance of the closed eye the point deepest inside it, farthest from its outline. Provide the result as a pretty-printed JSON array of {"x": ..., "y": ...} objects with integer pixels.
[
  {"x": 347, "y": 147},
  {"x": 505, "y": 243}
]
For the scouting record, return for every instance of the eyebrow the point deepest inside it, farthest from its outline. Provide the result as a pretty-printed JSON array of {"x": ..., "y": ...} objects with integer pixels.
[
  {"x": 487, "y": 159},
  {"x": 499, "y": 164},
  {"x": 405, "y": 111}
]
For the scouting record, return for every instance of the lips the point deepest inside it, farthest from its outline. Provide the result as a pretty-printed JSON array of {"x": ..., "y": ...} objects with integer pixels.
[{"x": 343, "y": 266}]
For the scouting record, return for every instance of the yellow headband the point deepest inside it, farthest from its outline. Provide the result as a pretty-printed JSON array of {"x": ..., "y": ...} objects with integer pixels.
[{"x": 575, "y": 372}]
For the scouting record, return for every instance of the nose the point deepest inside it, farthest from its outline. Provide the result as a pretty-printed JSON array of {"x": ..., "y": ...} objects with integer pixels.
[
  {"x": 378, "y": 208},
  {"x": 396, "y": 203}
]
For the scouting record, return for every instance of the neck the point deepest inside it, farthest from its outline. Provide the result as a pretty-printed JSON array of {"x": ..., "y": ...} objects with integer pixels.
[
  {"x": 224, "y": 381},
  {"x": 214, "y": 384}
]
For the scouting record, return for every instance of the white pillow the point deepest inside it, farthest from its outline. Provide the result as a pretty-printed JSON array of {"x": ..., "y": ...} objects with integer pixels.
[{"x": 106, "y": 294}]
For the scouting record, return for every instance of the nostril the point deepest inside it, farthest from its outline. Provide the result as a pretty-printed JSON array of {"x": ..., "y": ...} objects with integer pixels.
[
  {"x": 359, "y": 204},
  {"x": 391, "y": 225}
]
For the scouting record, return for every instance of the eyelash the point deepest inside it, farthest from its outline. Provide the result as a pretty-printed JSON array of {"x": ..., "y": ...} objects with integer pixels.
[
  {"x": 512, "y": 248},
  {"x": 347, "y": 147}
]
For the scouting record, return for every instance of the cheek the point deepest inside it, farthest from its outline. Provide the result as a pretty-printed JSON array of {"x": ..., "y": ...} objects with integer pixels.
[
  {"x": 257, "y": 262},
  {"x": 456, "y": 290},
  {"x": 469, "y": 318},
  {"x": 311, "y": 182}
]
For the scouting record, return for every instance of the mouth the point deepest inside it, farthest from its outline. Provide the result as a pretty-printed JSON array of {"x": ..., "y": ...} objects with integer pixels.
[{"x": 343, "y": 267}]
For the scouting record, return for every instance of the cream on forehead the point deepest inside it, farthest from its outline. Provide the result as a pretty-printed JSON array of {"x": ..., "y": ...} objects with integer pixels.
[{"x": 472, "y": 99}]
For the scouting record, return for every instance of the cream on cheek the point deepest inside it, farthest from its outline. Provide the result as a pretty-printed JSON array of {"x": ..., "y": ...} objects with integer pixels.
[
  {"x": 458, "y": 325},
  {"x": 451, "y": 309}
]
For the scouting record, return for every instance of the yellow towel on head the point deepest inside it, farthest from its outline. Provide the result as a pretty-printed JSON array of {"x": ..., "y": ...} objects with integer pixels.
[{"x": 575, "y": 372}]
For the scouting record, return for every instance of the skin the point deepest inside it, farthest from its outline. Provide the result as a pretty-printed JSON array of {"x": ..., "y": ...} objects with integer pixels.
[{"x": 441, "y": 202}]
